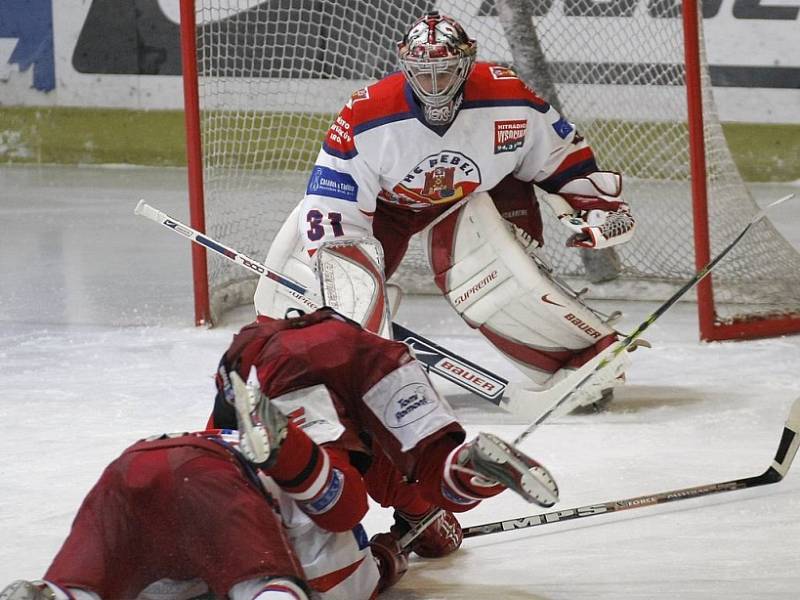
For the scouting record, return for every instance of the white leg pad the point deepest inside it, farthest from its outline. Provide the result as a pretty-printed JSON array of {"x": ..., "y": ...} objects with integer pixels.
[{"x": 494, "y": 285}]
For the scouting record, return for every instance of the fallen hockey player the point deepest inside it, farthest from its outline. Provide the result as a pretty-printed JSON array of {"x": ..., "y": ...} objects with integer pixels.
[{"x": 272, "y": 511}]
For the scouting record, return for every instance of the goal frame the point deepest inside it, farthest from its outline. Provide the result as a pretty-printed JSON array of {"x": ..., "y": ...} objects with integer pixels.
[{"x": 711, "y": 328}]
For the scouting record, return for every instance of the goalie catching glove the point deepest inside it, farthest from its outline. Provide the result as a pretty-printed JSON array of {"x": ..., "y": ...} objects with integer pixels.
[{"x": 592, "y": 208}]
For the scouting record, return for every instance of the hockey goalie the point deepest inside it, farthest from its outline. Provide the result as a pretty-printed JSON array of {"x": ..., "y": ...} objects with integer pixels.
[{"x": 454, "y": 147}]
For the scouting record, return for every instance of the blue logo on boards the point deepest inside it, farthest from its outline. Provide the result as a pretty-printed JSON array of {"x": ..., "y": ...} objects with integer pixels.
[
  {"x": 31, "y": 23},
  {"x": 563, "y": 128},
  {"x": 332, "y": 183}
]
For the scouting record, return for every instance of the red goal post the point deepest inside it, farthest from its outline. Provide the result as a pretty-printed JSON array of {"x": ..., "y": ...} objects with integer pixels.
[{"x": 262, "y": 81}]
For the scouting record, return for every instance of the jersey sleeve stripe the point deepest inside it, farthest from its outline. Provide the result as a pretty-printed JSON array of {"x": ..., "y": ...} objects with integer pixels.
[
  {"x": 344, "y": 155},
  {"x": 576, "y": 164},
  {"x": 372, "y": 124},
  {"x": 541, "y": 107}
]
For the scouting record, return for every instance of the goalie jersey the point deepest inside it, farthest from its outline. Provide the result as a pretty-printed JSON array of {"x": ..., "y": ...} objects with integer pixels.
[{"x": 380, "y": 149}]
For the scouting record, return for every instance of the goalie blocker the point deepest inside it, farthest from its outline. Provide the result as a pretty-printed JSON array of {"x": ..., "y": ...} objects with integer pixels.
[{"x": 348, "y": 271}]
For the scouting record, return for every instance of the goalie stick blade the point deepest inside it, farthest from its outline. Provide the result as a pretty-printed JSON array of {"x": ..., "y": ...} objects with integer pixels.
[
  {"x": 790, "y": 440},
  {"x": 787, "y": 449},
  {"x": 462, "y": 372}
]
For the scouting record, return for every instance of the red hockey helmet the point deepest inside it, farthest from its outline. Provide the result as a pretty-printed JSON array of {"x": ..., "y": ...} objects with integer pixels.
[{"x": 436, "y": 56}]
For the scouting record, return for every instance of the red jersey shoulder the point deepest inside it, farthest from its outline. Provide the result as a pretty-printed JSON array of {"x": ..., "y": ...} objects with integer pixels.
[
  {"x": 368, "y": 107},
  {"x": 381, "y": 100},
  {"x": 490, "y": 81}
]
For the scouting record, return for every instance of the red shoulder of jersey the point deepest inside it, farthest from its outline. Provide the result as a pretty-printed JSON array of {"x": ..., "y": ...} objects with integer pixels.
[
  {"x": 490, "y": 84},
  {"x": 380, "y": 103}
]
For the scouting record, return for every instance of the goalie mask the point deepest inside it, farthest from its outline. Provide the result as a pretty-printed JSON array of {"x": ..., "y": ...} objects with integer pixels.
[{"x": 437, "y": 56}]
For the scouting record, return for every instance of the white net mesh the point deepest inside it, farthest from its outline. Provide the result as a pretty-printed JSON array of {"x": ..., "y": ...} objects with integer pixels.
[{"x": 273, "y": 74}]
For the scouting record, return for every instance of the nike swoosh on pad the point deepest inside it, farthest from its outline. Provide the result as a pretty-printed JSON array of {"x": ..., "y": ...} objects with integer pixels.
[{"x": 546, "y": 299}]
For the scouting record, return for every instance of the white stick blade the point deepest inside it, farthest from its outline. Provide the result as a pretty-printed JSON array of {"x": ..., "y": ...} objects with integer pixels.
[
  {"x": 790, "y": 441},
  {"x": 780, "y": 201}
]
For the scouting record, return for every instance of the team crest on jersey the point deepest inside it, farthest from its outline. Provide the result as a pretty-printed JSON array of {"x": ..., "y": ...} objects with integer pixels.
[
  {"x": 499, "y": 72},
  {"x": 509, "y": 135},
  {"x": 358, "y": 95},
  {"x": 439, "y": 178}
]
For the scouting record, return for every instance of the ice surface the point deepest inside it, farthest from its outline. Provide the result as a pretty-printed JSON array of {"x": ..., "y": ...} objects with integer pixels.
[{"x": 97, "y": 349}]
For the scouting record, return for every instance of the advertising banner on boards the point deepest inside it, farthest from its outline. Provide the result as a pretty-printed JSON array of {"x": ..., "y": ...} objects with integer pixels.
[{"x": 126, "y": 54}]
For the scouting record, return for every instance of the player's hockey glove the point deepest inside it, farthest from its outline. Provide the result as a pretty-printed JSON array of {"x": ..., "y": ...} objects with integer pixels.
[
  {"x": 593, "y": 209},
  {"x": 440, "y": 538},
  {"x": 391, "y": 558},
  {"x": 487, "y": 465},
  {"x": 262, "y": 427}
]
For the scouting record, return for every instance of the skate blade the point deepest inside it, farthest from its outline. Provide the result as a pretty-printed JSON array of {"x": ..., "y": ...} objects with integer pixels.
[{"x": 536, "y": 484}]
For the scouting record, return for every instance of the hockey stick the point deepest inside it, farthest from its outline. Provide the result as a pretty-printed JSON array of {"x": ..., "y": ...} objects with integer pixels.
[
  {"x": 523, "y": 401},
  {"x": 613, "y": 351},
  {"x": 775, "y": 472},
  {"x": 437, "y": 359}
]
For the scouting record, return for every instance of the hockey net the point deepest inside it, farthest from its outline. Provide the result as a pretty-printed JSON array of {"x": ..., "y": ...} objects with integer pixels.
[{"x": 271, "y": 76}]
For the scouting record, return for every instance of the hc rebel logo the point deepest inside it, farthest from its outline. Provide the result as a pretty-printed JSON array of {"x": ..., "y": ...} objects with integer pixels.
[{"x": 439, "y": 178}]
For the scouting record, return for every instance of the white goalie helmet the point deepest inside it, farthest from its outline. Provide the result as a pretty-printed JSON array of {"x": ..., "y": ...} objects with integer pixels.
[{"x": 437, "y": 56}]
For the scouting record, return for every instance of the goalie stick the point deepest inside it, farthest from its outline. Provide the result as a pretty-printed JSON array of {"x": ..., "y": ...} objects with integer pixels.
[
  {"x": 775, "y": 472},
  {"x": 437, "y": 359}
]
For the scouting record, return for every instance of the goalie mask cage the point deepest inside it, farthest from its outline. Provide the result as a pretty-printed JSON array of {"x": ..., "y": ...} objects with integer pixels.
[{"x": 264, "y": 79}]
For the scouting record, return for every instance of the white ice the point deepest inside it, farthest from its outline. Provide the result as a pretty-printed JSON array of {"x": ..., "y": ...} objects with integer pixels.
[{"x": 97, "y": 349}]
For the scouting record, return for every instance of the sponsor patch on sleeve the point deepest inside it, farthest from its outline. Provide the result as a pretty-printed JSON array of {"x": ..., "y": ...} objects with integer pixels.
[
  {"x": 408, "y": 406},
  {"x": 339, "y": 140},
  {"x": 325, "y": 181},
  {"x": 509, "y": 135},
  {"x": 563, "y": 128}
]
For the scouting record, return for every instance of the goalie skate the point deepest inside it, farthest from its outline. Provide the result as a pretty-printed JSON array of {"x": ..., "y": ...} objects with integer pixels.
[
  {"x": 494, "y": 460},
  {"x": 27, "y": 590},
  {"x": 262, "y": 427}
]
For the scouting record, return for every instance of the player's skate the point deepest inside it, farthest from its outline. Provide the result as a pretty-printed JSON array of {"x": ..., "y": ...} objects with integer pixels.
[
  {"x": 492, "y": 461},
  {"x": 27, "y": 590},
  {"x": 262, "y": 427}
]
